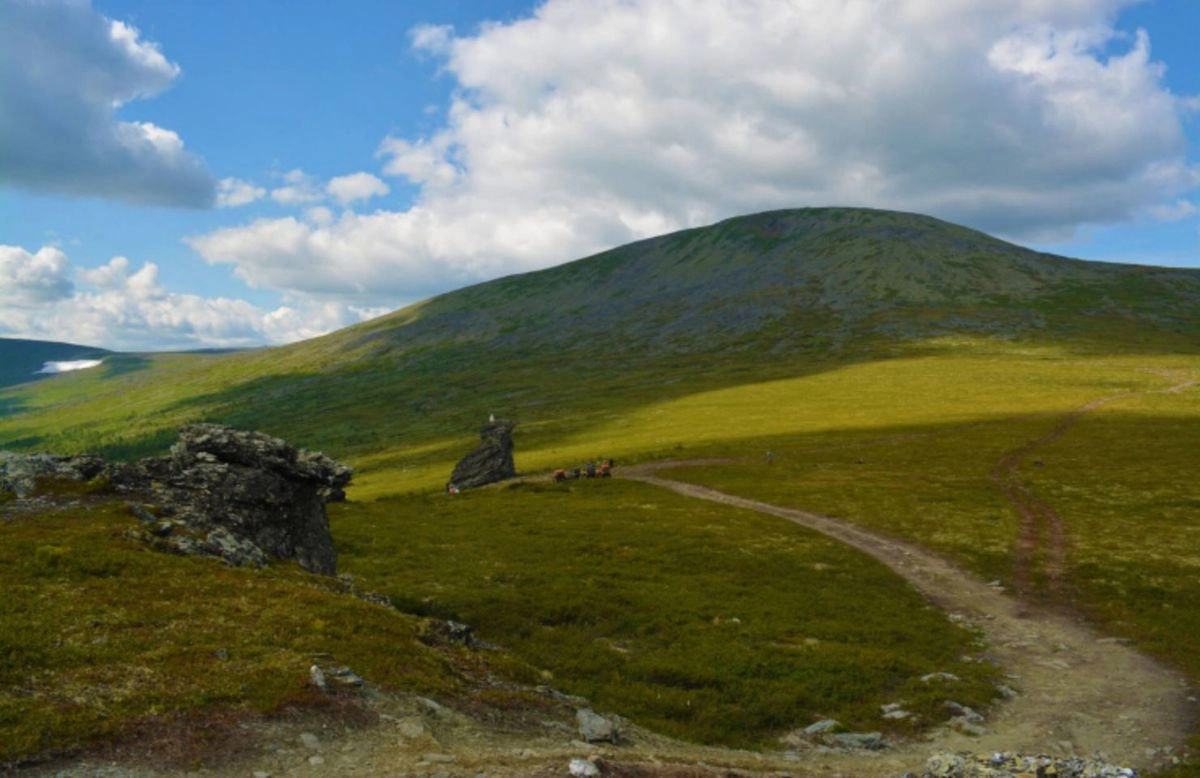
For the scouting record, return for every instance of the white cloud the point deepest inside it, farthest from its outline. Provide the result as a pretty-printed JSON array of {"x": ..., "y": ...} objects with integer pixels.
[
  {"x": 28, "y": 280},
  {"x": 232, "y": 192},
  {"x": 356, "y": 186},
  {"x": 299, "y": 188},
  {"x": 123, "y": 308},
  {"x": 591, "y": 124},
  {"x": 65, "y": 72},
  {"x": 1176, "y": 211}
]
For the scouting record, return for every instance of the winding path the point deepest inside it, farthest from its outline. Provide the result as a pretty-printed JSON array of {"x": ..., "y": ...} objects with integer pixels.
[
  {"x": 1042, "y": 535},
  {"x": 1079, "y": 692}
]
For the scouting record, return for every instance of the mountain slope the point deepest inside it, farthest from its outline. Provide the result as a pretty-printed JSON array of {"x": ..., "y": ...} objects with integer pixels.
[
  {"x": 20, "y": 360},
  {"x": 817, "y": 273},
  {"x": 767, "y": 296}
]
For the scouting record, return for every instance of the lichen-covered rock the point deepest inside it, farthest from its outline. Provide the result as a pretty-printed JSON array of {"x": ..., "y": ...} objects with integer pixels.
[
  {"x": 492, "y": 459},
  {"x": 243, "y": 491},
  {"x": 19, "y": 473}
]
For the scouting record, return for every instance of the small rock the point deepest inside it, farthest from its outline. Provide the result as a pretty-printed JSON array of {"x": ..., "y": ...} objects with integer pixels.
[
  {"x": 344, "y": 676},
  {"x": 595, "y": 728},
  {"x": 412, "y": 728},
  {"x": 870, "y": 741},
  {"x": 318, "y": 678},
  {"x": 310, "y": 741},
  {"x": 316, "y": 760},
  {"x": 823, "y": 725},
  {"x": 929, "y": 677},
  {"x": 582, "y": 768},
  {"x": 261, "y": 774},
  {"x": 945, "y": 766},
  {"x": 963, "y": 712}
]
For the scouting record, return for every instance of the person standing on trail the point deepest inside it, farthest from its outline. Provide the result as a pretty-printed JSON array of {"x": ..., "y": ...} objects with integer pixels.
[{"x": 770, "y": 457}]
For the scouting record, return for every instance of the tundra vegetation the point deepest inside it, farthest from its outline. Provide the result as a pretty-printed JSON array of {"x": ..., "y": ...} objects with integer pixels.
[{"x": 901, "y": 370}]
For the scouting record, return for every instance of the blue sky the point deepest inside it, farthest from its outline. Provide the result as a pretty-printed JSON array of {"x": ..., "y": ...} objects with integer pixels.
[{"x": 202, "y": 173}]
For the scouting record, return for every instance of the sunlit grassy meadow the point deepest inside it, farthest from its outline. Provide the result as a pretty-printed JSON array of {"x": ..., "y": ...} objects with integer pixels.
[{"x": 889, "y": 363}]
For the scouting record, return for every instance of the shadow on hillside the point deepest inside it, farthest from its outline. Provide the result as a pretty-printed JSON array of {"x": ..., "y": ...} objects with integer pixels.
[
  {"x": 124, "y": 364},
  {"x": 413, "y": 400},
  {"x": 11, "y": 406}
]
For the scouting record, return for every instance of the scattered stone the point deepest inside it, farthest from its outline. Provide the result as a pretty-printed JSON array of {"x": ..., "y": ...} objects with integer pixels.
[
  {"x": 316, "y": 760},
  {"x": 412, "y": 728},
  {"x": 436, "y": 631},
  {"x": 930, "y": 677},
  {"x": 318, "y": 678},
  {"x": 1006, "y": 691},
  {"x": 439, "y": 758},
  {"x": 868, "y": 741},
  {"x": 825, "y": 725},
  {"x": 492, "y": 459},
  {"x": 20, "y": 473},
  {"x": 582, "y": 768},
  {"x": 344, "y": 677},
  {"x": 1015, "y": 765},
  {"x": 595, "y": 728},
  {"x": 310, "y": 741},
  {"x": 142, "y": 513},
  {"x": 555, "y": 694},
  {"x": 962, "y": 711},
  {"x": 261, "y": 774}
]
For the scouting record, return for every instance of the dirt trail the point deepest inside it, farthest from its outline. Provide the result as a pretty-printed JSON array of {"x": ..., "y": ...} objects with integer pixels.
[
  {"x": 1041, "y": 543},
  {"x": 1079, "y": 692}
]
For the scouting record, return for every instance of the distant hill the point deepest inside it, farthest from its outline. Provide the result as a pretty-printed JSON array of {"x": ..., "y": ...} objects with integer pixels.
[
  {"x": 754, "y": 298},
  {"x": 20, "y": 360},
  {"x": 794, "y": 279}
]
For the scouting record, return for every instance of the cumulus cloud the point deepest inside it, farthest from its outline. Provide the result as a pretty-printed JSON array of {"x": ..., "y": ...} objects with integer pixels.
[
  {"x": 298, "y": 188},
  {"x": 65, "y": 72},
  {"x": 590, "y": 124},
  {"x": 356, "y": 186},
  {"x": 232, "y": 192},
  {"x": 32, "y": 279},
  {"x": 121, "y": 307}
]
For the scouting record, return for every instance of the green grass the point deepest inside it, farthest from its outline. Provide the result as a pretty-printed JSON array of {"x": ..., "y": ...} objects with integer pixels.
[
  {"x": 701, "y": 621},
  {"x": 827, "y": 336},
  {"x": 103, "y": 637}
]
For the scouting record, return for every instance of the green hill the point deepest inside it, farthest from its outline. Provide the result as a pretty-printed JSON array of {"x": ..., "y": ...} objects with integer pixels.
[
  {"x": 20, "y": 360},
  {"x": 1032, "y": 418},
  {"x": 770, "y": 295}
]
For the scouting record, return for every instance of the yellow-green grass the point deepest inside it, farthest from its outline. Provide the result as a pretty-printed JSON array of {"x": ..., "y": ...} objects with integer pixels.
[
  {"x": 962, "y": 382},
  {"x": 102, "y": 636},
  {"x": 701, "y": 621},
  {"x": 928, "y": 422},
  {"x": 1121, "y": 478}
]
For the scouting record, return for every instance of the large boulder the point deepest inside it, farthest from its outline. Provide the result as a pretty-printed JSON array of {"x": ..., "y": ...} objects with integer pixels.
[
  {"x": 492, "y": 459},
  {"x": 20, "y": 473},
  {"x": 251, "y": 486}
]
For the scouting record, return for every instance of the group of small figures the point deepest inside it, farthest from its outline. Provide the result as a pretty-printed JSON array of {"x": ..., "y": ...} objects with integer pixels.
[{"x": 590, "y": 470}]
